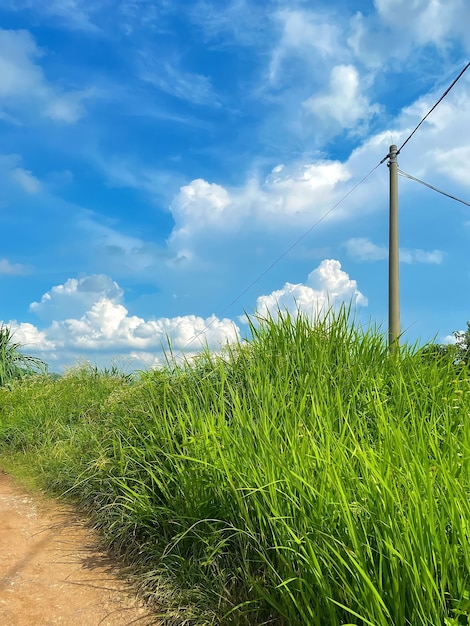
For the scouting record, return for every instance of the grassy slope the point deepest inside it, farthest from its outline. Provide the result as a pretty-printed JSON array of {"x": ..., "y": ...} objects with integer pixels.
[{"x": 305, "y": 479}]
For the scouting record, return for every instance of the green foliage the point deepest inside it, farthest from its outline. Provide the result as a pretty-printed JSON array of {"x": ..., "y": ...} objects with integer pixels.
[
  {"x": 306, "y": 477},
  {"x": 462, "y": 341},
  {"x": 458, "y": 353},
  {"x": 13, "y": 363}
]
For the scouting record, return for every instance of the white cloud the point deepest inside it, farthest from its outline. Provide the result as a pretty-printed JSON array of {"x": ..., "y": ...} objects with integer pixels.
[
  {"x": 344, "y": 103},
  {"x": 74, "y": 14},
  {"x": 67, "y": 108},
  {"x": 160, "y": 184},
  {"x": 216, "y": 222},
  {"x": 434, "y": 257},
  {"x": 292, "y": 197},
  {"x": 368, "y": 45},
  {"x": 23, "y": 86},
  {"x": 76, "y": 296},
  {"x": 12, "y": 268},
  {"x": 31, "y": 338},
  {"x": 454, "y": 163},
  {"x": 441, "y": 141},
  {"x": 242, "y": 22},
  {"x": 95, "y": 18},
  {"x": 18, "y": 72},
  {"x": 362, "y": 249},
  {"x": 121, "y": 252},
  {"x": 26, "y": 180},
  {"x": 452, "y": 339},
  {"x": 301, "y": 188},
  {"x": 401, "y": 28},
  {"x": 202, "y": 203},
  {"x": 107, "y": 326},
  {"x": 305, "y": 34},
  {"x": 106, "y": 329},
  {"x": 429, "y": 21},
  {"x": 172, "y": 79},
  {"x": 87, "y": 318},
  {"x": 327, "y": 286},
  {"x": 288, "y": 198}
]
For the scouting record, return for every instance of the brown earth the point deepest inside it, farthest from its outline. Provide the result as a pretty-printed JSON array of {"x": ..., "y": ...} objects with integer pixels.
[{"x": 52, "y": 571}]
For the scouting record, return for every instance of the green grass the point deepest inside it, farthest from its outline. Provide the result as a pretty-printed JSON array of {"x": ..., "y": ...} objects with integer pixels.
[
  {"x": 306, "y": 478},
  {"x": 14, "y": 364}
]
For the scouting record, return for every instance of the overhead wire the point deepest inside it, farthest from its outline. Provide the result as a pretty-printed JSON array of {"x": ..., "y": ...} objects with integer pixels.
[
  {"x": 325, "y": 215},
  {"x": 281, "y": 256},
  {"x": 422, "y": 182},
  {"x": 449, "y": 88}
]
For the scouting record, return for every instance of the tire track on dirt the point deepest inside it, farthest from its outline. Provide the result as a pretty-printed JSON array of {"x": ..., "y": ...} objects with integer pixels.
[{"x": 52, "y": 571}]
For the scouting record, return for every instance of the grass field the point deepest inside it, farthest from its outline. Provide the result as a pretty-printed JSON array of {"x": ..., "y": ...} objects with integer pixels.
[{"x": 303, "y": 478}]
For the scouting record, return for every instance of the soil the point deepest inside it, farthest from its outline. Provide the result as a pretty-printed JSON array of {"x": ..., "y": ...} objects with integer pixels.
[{"x": 52, "y": 571}]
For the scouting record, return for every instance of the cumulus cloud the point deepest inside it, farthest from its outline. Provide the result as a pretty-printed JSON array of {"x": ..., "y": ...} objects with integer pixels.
[
  {"x": 76, "y": 296},
  {"x": 101, "y": 325},
  {"x": 362, "y": 249},
  {"x": 105, "y": 328},
  {"x": 327, "y": 286},
  {"x": 108, "y": 326},
  {"x": 31, "y": 338},
  {"x": 23, "y": 86},
  {"x": 299, "y": 192},
  {"x": 343, "y": 103},
  {"x": 201, "y": 203},
  {"x": 301, "y": 188},
  {"x": 293, "y": 196},
  {"x": 215, "y": 224}
]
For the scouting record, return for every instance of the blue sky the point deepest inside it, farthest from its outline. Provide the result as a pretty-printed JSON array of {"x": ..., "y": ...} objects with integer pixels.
[{"x": 157, "y": 156}]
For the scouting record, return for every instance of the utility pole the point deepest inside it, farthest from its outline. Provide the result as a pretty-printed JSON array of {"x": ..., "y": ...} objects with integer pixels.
[{"x": 393, "y": 257}]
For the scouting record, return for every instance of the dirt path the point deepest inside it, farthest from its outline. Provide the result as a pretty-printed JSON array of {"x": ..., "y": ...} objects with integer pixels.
[{"x": 51, "y": 571}]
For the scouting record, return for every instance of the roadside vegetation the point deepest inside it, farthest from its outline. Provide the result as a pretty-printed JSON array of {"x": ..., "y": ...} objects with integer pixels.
[
  {"x": 304, "y": 478},
  {"x": 13, "y": 363}
]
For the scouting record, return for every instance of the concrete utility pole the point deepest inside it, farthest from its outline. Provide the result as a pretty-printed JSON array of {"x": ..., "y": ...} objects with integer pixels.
[{"x": 393, "y": 257}]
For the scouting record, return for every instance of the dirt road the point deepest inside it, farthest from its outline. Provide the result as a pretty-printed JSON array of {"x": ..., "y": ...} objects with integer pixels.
[{"x": 51, "y": 570}]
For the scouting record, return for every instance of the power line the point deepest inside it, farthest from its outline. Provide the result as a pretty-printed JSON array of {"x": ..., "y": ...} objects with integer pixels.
[
  {"x": 429, "y": 112},
  {"x": 284, "y": 254},
  {"x": 417, "y": 180},
  {"x": 435, "y": 106},
  {"x": 325, "y": 215}
]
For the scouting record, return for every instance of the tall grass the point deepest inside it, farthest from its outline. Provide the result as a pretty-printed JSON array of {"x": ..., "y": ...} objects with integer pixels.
[
  {"x": 14, "y": 364},
  {"x": 304, "y": 478}
]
